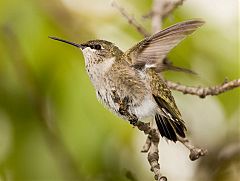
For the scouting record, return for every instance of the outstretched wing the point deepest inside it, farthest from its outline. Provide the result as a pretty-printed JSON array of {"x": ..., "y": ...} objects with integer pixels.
[{"x": 152, "y": 50}]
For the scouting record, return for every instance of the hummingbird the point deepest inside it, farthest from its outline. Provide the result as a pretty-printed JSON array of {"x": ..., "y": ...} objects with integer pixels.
[{"x": 129, "y": 83}]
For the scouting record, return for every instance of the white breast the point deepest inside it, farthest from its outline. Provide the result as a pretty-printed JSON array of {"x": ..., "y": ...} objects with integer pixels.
[
  {"x": 105, "y": 98},
  {"x": 91, "y": 61},
  {"x": 142, "y": 108},
  {"x": 104, "y": 66},
  {"x": 96, "y": 68}
]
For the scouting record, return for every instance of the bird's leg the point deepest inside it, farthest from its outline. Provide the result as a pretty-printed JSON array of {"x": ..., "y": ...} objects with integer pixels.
[{"x": 195, "y": 152}]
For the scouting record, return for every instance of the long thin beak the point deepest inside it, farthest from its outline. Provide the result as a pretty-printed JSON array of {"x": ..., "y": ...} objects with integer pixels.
[{"x": 68, "y": 42}]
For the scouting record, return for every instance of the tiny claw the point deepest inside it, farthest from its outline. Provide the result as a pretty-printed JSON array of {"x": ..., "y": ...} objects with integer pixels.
[{"x": 195, "y": 153}]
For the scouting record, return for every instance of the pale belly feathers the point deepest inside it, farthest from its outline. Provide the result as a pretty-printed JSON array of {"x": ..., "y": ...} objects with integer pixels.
[{"x": 142, "y": 106}]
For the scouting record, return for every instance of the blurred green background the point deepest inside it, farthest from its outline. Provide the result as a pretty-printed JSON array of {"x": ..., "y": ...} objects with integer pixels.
[{"x": 51, "y": 126}]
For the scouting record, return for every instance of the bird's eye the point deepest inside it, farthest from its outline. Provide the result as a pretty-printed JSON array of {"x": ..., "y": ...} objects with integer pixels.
[{"x": 96, "y": 47}]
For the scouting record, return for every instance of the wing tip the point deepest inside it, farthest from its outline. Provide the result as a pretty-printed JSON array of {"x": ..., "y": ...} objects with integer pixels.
[{"x": 196, "y": 23}]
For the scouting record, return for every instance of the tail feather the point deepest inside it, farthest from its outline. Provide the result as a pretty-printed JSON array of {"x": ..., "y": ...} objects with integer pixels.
[
  {"x": 165, "y": 128},
  {"x": 180, "y": 128},
  {"x": 169, "y": 128}
]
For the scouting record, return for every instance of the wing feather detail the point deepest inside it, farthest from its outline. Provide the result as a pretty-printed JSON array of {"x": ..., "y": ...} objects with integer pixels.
[{"x": 151, "y": 51}]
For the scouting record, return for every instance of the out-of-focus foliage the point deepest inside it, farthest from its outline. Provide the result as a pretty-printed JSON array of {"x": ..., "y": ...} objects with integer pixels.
[{"x": 53, "y": 128}]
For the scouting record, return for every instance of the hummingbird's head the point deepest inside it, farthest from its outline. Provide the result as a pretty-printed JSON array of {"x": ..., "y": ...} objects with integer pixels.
[{"x": 95, "y": 51}]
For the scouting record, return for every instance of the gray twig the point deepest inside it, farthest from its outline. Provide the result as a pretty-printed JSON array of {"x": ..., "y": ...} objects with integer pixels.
[
  {"x": 147, "y": 145},
  {"x": 153, "y": 152},
  {"x": 170, "y": 6},
  {"x": 157, "y": 9},
  {"x": 131, "y": 20},
  {"x": 202, "y": 92},
  {"x": 195, "y": 152}
]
